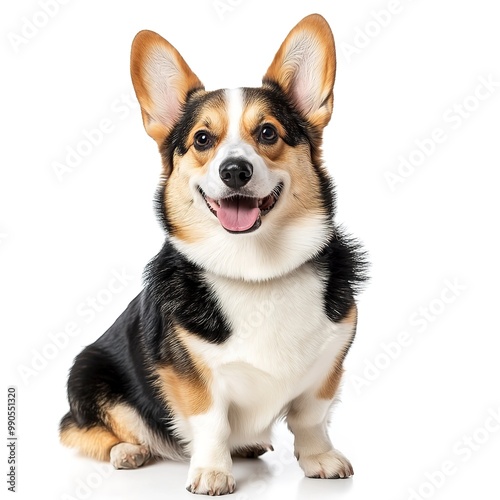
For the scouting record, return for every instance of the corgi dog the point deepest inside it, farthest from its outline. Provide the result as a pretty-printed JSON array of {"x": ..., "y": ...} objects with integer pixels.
[{"x": 248, "y": 310}]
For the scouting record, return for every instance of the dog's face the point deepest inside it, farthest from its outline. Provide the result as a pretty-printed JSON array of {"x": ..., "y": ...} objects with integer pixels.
[{"x": 244, "y": 194}]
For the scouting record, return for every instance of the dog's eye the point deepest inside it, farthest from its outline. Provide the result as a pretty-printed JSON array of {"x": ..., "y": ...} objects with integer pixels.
[
  {"x": 203, "y": 140},
  {"x": 268, "y": 134}
]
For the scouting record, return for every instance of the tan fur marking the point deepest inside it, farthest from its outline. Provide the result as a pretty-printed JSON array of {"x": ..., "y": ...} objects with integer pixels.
[
  {"x": 188, "y": 395},
  {"x": 332, "y": 381},
  {"x": 123, "y": 421},
  {"x": 255, "y": 114},
  {"x": 331, "y": 384},
  {"x": 213, "y": 118},
  {"x": 188, "y": 222},
  {"x": 352, "y": 315},
  {"x": 304, "y": 199},
  {"x": 95, "y": 442}
]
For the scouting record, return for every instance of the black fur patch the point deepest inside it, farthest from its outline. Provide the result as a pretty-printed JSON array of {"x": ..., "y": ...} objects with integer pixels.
[
  {"x": 345, "y": 266},
  {"x": 178, "y": 286},
  {"x": 119, "y": 366},
  {"x": 117, "y": 369}
]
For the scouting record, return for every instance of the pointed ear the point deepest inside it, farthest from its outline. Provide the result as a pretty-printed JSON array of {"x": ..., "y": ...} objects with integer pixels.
[
  {"x": 162, "y": 81},
  {"x": 304, "y": 68}
]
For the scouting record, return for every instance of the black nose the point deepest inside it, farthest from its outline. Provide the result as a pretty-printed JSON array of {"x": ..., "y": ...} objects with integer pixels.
[{"x": 235, "y": 172}]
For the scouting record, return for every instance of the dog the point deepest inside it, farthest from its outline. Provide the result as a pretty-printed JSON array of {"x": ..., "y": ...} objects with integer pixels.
[{"x": 248, "y": 310}]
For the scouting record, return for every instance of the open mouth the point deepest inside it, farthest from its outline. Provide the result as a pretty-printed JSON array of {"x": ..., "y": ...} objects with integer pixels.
[{"x": 242, "y": 214}]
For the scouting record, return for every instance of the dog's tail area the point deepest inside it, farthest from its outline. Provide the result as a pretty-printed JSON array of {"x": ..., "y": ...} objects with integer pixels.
[{"x": 94, "y": 441}]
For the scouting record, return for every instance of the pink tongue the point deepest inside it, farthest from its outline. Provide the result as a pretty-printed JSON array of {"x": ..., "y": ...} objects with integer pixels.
[{"x": 238, "y": 214}]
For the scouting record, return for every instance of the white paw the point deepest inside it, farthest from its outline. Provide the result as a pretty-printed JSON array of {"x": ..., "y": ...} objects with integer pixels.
[
  {"x": 210, "y": 482},
  {"x": 128, "y": 456},
  {"x": 329, "y": 465}
]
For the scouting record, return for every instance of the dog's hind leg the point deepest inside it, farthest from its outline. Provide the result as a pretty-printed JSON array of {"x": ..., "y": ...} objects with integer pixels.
[
  {"x": 102, "y": 443},
  {"x": 94, "y": 441}
]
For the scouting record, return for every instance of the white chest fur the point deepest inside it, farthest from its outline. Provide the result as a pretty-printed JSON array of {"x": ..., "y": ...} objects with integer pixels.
[
  {"x": 278, "y": 326},
  {"x": 282, "y": 345}
]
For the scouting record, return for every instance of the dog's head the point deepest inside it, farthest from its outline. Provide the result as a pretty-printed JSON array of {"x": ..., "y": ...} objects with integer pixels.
[{"x": 244, "y": 193}]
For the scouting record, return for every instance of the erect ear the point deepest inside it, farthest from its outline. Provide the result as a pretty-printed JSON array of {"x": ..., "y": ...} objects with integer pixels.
[
  {"x": 162, "y": 81},
  {"x": 304, "y": 67}
]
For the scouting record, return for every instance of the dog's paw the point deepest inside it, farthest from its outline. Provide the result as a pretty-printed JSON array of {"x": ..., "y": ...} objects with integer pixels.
[
  {"x": 210, "y": 482},
  {"x": 128, "y": 456},
  {"x": 329, "y": 465}
]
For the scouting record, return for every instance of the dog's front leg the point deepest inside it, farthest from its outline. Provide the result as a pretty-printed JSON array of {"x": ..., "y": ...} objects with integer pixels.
[
  {"x": 210, "y": 467},
  {"x": 308, "y": 420}
]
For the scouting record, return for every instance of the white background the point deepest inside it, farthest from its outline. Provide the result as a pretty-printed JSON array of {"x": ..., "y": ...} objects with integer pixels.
[{"x": 400, "y": 417}]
